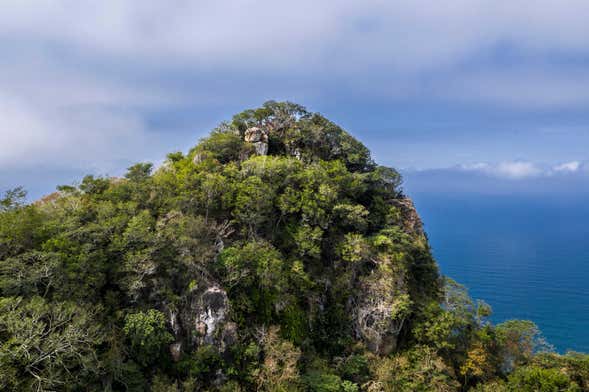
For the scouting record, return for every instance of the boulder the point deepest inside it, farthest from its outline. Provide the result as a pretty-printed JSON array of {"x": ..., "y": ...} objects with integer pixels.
[{"x": 259, "y": 138}]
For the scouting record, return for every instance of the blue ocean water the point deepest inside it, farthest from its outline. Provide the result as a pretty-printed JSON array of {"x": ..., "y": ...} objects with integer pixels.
[{"x": 527, "y": 256}]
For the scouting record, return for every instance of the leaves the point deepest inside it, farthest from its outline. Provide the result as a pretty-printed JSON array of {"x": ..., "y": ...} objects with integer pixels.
[
  {"x": 147, "y": 335},
  {"x": 46, "y": 345},
  {"x": 312, "y": 248}
]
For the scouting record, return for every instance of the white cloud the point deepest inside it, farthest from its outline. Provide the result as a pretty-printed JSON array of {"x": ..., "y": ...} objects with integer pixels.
[
  {"x": 568, "y": 167},
  {"x": 518, "y": 170},
  {"x": 514, "y": 170},
  {"x": 477, "y": 166}
]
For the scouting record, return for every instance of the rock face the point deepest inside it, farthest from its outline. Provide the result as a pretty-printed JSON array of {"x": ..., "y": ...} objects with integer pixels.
[
  {"x": 381, "y": 301},
  {"x": 199, "y": 157},
  {"x": 411, "y": 221},
  {"x": 214, "y": 304},
  {"x": 374, "y": 308},
  {"x": 259, "y": 138},
  {"x": 203, "y": 320}
]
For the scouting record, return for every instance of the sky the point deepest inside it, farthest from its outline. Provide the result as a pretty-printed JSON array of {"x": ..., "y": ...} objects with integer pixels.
[{"x": 474, "y": 95}]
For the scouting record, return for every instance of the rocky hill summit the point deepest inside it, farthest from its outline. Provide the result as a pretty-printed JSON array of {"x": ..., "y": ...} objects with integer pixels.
[
  {"x": 310, "y": 198},
  {"x": 275, "y": 255}
]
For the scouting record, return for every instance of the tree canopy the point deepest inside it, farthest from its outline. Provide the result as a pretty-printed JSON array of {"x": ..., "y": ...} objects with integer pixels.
[{"x": 299, "y": 266}]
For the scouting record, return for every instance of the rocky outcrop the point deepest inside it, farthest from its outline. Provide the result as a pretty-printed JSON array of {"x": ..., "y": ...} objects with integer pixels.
[
  {"x": 259, "y": 138},
  {"x": 381, "y": 302},
  {"x": 200, "y": 156},
  {"x": 202, "y": 320},
  {"x": 213, "y": 309},
  {"x": 411, "y": 222}
]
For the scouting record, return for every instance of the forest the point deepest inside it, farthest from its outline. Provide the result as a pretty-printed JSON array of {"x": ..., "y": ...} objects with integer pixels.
[{"x": 275, "y": 255}]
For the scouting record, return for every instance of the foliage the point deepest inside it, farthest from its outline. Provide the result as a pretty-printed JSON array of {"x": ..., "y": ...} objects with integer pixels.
[
  {"x": 530, "y": 378},
  {"x": 13, "y": 198},
  {"x": 147, "y": 335},
  {"x": 300, "y": 270},
  {"x": 46, "y": 345}
]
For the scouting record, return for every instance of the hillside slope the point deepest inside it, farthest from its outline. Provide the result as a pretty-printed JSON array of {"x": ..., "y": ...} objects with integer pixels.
[{"x": 275, "y": 256}]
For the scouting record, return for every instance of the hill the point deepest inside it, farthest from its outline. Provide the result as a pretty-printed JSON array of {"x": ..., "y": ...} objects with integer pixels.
[{"x": 275, "y": 256}]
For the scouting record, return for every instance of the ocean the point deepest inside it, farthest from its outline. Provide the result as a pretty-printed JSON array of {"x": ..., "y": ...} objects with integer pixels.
[{"x": 527, "y": 256}]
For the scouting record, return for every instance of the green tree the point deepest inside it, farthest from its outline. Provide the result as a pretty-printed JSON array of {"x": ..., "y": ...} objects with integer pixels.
[
  {"x": 534, "y": 379},
  {"x": 47, "y": 346},
  {"x": 13, "y": 198},
  {"x": 519, "y": 340},
  {"x": 147, "y": 335}
]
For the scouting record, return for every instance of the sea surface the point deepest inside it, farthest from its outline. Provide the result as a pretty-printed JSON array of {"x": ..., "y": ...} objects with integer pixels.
[{"x": 527, "y": 256}]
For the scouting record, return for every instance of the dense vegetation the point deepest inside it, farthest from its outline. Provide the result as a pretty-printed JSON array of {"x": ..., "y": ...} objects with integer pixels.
[{"x": 274, "y": 256}]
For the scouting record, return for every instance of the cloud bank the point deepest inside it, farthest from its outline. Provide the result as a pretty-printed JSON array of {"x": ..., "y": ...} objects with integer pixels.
[
  {"x": 517, "y": 170},
  {"x": 88, "y": 84},
  {"x": 568, "y": 179}
]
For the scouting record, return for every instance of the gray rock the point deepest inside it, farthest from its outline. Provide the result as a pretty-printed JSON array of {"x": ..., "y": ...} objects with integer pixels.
[
  {"x": 259, "y": 138},
  {"x": 176, "y": 351},
  {"x": 255, "y": 134},
  {"x": 200, "y": 156},
  {"x": 213, "y": 311},
  {"x": 261, "y": 148},
  {"x": 411, "y": 221}
]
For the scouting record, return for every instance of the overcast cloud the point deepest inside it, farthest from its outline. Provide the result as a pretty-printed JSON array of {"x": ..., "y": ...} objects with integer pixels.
[{"x": 90, "y": 86}]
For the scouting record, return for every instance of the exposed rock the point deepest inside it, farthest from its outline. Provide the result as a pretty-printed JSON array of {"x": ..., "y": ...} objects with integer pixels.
[
  {"x": 202, "y": 319},
  {"x": 203, "y": 314},
  {"x": 411, "y": 221},
  {"x": 255, "y": 134},
  {"x": 176, "y": 351},
  {"x": 174, "y": 322},
  {"x": 199, "y": 157},
  {"x": 214, "y": 310},
  {"x": 220, "y": 378},
  {"x": 259, "y": 138}
]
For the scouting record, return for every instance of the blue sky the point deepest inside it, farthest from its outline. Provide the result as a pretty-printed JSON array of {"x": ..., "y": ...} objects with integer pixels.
[{"x": 472, "y": 95}]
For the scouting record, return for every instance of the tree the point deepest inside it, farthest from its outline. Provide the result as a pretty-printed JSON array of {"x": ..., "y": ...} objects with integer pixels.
[
  {"x": 255, "y": 276},
  {"x": 535, "y": 379},
  {"x": 139, "y": 172},
  {"x": 147, "y": 335},
  {"x": 45, "y": 346},
  {"x": 253, "y": 203},
  {"x": 279, "y": 371},
  {"x": 520, "y": 340},
  {"x": 13, "y": 198}
]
